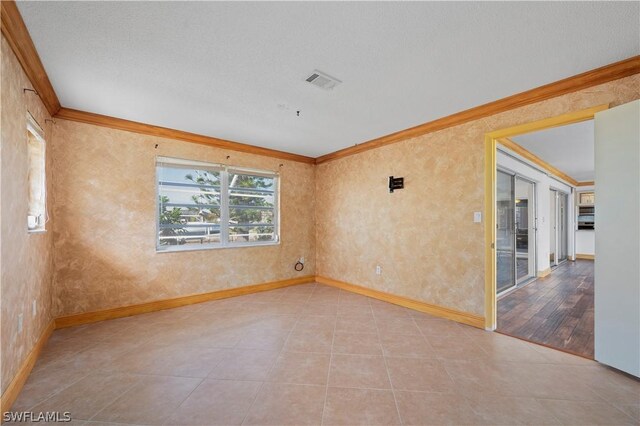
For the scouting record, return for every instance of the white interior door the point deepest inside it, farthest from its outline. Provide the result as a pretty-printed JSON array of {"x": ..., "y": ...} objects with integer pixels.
[{"x": 617, "y": 232}]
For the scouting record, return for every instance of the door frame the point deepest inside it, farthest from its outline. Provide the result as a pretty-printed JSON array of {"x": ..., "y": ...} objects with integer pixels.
[{"x": 490, "y": 171}]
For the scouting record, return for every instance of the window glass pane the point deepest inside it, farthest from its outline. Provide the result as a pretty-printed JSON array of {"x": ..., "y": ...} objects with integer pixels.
[
  {"x": 251, "y": 208},
  {"x": 199, "y": 203},
  {"x": 189, "y": 206},
  {"x": 36, "y": 215}
]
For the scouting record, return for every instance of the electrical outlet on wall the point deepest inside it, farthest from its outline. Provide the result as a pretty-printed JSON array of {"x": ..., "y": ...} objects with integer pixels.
[
  {"x": 378, "y": 270},
  {"x": 20, "y": 319},
  {"x": 301, "y": 260}
]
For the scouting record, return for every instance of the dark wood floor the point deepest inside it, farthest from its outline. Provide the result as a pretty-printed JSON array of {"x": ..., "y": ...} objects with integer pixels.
[{"x": 556, "y": 310}]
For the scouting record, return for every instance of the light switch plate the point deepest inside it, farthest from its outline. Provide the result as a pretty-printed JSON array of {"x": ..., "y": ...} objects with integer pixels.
[
  {"x": 20, "y": 318},
  {"x": 477, "y": 217}
]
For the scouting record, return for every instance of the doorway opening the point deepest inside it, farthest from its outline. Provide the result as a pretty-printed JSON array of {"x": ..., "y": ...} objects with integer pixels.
[{"x": 540, "y": 282}]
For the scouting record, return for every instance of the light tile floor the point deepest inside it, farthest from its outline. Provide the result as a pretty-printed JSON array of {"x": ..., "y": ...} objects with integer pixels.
[{"x": 312, "y": 354}]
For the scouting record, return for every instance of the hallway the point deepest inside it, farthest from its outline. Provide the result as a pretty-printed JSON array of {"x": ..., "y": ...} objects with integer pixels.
[{"x": 555, "y": 311}]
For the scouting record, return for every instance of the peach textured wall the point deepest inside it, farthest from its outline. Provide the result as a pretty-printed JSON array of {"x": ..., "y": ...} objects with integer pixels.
[
  {"x": 106, "y": 223},
  {"x": 423, "y": 236},
  {"x": 26, "y": 259}
]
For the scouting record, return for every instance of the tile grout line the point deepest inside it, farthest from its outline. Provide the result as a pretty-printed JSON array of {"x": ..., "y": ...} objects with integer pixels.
[
  {"x": 89, "y": 373},
  {"x": 333, "y": 339},
  {"x": 552, "y": 415},
  {"x": 619, "y": 410},
  {"x": 387, "y": 389},
  {"x": 202, "y": 380},
  {"x": 57, "y": 392},
  {"x": 386, "y": 367},
  {"x": 444, "y": 367},
  {"x": 274, "y": 362},
  {"x": 164, "y": 422},
  {"x": 113, "y": 400},
  {"x": 603, "y": 401}
]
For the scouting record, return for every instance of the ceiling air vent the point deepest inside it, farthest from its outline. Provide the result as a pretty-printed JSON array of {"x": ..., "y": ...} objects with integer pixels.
[{"x": 322, "y": 80}]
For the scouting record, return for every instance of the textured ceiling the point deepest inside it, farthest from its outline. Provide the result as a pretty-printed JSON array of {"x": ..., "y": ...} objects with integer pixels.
[
  {"x": 236, "y": 70},
  {"x": 568, "y": 148}
]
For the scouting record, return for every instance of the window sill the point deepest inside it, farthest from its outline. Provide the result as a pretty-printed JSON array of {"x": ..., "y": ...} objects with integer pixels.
[
  {"x": 36, "y": 231},
  {"x": 178, "y": 249}
]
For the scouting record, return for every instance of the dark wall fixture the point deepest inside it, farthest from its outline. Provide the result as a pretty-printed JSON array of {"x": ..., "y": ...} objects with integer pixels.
[{"x": 395, "y": 183}]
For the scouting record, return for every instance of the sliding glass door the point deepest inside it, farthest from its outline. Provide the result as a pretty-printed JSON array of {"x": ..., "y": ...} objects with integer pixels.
[
  {"x": 559, "y": 220},
  {"x": 515, "y": 230},
  {"x": 563, "y": 223},
  {"x": 553, "y": 223},
  {"x": 525, "y": 229},
  {"x": 505, "y": 236}
]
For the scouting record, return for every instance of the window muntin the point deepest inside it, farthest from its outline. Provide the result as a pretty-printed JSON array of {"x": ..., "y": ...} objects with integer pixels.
[
  {"x": 203, "y": 205},
  {"x": 252, "y": 200}
]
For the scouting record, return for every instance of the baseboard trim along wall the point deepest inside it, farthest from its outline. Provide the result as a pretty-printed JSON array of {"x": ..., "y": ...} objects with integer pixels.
[
  {"x": 13, "y": 390},
  {"x": 585, "y": 256},
  {"x": 159, "y": 305},
  {"x": 436, "y": 310},
  {"x": 542, "y": 274}
]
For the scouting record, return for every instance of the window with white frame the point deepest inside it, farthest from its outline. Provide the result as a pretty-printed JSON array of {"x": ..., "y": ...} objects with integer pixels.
[
  {"x": 204, "y": 205},
  {"x": 36, "y": 177}
]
